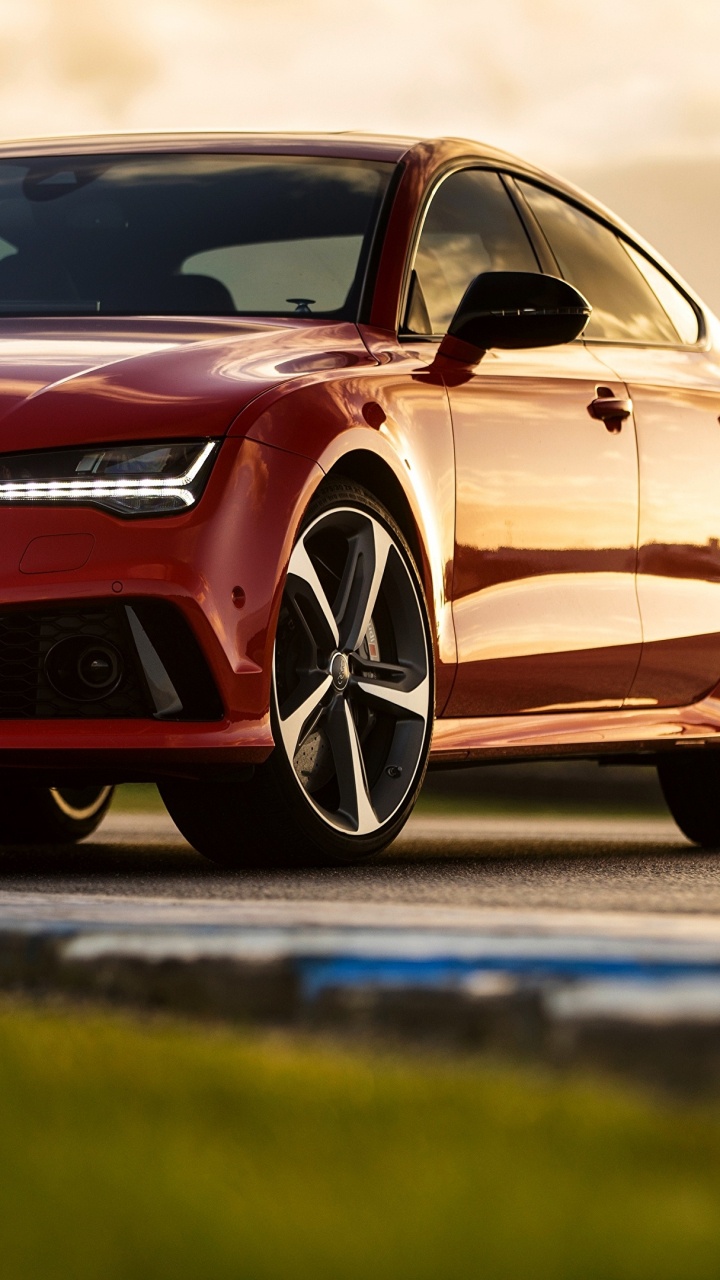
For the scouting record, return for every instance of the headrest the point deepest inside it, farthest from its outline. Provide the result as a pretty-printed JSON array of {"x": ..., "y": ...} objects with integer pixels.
[{"x": 195, "y": 295}]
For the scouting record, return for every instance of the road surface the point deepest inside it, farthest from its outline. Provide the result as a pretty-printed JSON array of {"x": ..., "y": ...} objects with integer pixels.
[{"x": 565, "y": 863}]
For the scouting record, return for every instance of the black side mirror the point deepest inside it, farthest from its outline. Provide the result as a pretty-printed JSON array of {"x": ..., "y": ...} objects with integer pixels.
[{"x": 514, "y": 309}]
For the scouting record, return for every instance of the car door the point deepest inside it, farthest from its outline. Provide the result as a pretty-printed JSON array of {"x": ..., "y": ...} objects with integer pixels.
[
  {"x": 649, "y": 333},
  {"x": 544, "y": 602}
]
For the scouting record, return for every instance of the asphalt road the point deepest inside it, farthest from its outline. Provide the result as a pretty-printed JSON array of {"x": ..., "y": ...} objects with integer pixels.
[
  {"x": 634, "y": 861},
  {"x": 567, "y": 863}
]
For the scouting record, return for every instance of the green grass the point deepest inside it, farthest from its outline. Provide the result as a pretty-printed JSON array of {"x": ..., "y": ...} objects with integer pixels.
[
  {"x": 157, "y": 1149},
  {"x": 562, "y": 788},
  {"x": 434, "y": 804},
  {"x": 137, "y": 797}
]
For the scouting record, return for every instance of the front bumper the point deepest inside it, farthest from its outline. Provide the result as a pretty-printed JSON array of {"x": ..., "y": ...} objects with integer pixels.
[
  {"x": 132, "y": 750},
  {"x": 231, "y": 549}
]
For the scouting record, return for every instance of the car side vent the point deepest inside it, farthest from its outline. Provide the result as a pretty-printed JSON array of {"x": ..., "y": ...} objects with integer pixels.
[{"x": 175, "y": 669}]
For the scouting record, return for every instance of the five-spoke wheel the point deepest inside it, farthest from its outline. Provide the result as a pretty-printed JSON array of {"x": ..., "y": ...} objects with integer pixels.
[
  {"x": 352, "y": 702},
  {"x": 352, "y": 672}
]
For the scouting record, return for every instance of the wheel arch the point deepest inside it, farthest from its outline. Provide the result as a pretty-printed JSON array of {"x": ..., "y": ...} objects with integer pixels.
[
  {"x": 378, "y": 475},
  {"x": 374, "y": 474}
]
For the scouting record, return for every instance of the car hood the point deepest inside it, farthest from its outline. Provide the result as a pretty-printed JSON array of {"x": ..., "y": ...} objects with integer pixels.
[{"x": 66, "y": 382}]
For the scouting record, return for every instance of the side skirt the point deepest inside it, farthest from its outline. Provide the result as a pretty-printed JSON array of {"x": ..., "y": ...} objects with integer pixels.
[{"x": 594, "y": 733}]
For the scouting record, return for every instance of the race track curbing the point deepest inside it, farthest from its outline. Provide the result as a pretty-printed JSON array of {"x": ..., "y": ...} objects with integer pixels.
[{"x": 638, "y": 994}]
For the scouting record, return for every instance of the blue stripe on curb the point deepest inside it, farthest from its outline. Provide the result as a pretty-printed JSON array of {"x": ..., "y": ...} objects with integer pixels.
[{"x": 319, "y": 974}]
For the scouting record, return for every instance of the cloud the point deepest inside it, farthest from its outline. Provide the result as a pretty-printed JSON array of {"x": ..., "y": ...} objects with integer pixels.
[
  {"x": 94, "y": 47},
  {"x": 562, "y": 81},
  {"x": 65, "y": 65}
]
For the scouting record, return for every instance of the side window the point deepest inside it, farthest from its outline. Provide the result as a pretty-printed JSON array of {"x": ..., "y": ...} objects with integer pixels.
[
  {"x": 680, "y": 311},
  {"x": 594, "y": 259},
  {"x": 470, "y": 226}
]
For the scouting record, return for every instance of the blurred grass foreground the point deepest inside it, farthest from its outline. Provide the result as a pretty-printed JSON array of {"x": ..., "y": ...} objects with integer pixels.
[
  {"x": 549, "y": 788},
  {"x": 159, "y": 1149}
]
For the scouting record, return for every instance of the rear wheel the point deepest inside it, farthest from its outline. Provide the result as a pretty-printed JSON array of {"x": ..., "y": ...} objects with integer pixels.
[
  {"x": 352, "y": 700},
  {"x": 691, "y": 786},
  {"x": 50, "y": 815}
]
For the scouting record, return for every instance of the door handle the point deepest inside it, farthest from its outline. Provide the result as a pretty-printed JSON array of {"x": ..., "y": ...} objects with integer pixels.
[{"x": 610, "y": 409}]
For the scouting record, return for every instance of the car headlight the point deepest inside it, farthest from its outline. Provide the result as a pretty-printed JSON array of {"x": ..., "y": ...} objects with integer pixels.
[{"x": 128, "y": 479}]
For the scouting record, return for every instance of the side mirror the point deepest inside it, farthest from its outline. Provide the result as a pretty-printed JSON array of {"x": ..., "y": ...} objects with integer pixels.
[{"x": 514, "y": 309}]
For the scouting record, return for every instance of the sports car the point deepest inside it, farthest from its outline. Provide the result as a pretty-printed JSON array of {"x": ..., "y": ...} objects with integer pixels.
[{"x": 324, "y": 459}]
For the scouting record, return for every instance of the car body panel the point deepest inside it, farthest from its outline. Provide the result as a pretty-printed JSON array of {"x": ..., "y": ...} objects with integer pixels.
[
  {"x": 676, "y": 403},
  {"x": 628, "y": 734},
  {"x": 83, "y": 382},
  {"x": 396, "y": 415},
  {"x": 544, "y": 594}
]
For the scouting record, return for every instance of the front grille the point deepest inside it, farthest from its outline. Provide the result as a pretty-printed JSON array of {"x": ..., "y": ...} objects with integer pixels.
[{"x": 25, "y": 640}]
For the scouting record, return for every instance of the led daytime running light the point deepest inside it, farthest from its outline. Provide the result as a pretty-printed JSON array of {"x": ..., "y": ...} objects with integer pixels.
[{"x": 177, "y": 487}]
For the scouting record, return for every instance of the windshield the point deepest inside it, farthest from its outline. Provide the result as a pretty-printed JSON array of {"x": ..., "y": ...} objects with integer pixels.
[{"x": 186, "y": 234}]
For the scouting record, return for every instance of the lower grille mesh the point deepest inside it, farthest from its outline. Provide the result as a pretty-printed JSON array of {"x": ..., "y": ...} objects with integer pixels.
[
  {"x": 19, "y": 664},
  {"x": 26, "y": 638}
]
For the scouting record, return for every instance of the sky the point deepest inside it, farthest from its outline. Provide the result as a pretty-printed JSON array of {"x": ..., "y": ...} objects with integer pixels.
[{"x": 618, "y": 94}]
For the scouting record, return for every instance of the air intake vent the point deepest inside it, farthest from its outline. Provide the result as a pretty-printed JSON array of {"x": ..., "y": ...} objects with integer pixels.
[{"x": 97, "y": 660}]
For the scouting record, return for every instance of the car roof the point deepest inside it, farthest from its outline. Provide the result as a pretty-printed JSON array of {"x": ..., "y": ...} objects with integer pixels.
[
  {"x": 349, "y": 144},
  {"x": 369, "y": 146}
]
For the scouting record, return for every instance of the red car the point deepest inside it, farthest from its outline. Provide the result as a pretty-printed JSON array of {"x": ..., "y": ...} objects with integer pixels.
[{"x": 323, "y": 457}]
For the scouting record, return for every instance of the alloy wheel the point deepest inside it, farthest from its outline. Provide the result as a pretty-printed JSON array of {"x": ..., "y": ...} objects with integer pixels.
[{"x": 352, "y": 676}]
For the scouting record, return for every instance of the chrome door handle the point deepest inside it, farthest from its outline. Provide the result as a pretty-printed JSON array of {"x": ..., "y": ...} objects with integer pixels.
[{"x": 610, "y": 409}]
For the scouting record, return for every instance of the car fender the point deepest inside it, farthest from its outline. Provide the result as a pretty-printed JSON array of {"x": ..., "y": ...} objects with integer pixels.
[{"x": 382, "y": 423}]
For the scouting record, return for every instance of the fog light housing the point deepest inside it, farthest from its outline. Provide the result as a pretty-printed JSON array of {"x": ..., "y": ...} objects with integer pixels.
[{"x": 83, "y": 669}]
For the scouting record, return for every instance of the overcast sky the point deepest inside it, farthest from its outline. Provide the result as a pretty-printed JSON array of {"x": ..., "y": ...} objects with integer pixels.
[
  {"x": 612, "y": 92},
  {"x": 563, "y": 81}
]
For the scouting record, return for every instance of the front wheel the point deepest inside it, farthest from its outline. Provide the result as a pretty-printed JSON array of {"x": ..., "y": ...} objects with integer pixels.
[
  {"x": 691, "y": 786},
  {"x": 50, "y": 815},
  {"x": 352, "y": 703}
]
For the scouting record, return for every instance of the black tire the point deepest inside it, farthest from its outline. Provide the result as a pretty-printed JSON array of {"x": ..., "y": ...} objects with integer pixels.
[
  {"x": 352, "y": 703},
  {"x": 50, "y": 815},
  {"x": 691, "y": 786}
]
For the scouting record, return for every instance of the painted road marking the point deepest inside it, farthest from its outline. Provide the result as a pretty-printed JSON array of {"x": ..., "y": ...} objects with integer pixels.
[{"x": 20, "y": 909}]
